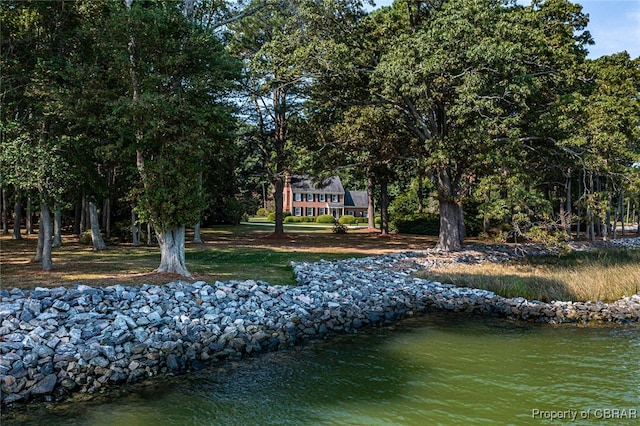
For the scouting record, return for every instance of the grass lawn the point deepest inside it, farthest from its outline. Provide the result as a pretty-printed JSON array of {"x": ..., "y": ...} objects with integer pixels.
[{"x": 230, "y": 252}]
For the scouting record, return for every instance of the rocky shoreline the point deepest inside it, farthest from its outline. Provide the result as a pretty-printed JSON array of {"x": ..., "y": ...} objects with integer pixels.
[{"x": 57, "y": 342}]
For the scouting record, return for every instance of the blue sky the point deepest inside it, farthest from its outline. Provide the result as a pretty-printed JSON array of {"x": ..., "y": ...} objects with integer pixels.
[{"x": 613, "y": 24}]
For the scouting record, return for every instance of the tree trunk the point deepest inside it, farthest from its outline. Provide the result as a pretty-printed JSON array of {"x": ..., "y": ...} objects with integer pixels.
[
  {"x": 96, "y": 237},
  {"x": 172, "y": 251},
  {"x": 278, "y": 198},
  {"x": 77, "y": 218},
  {"x": 149, "y": 235},
  {"x": 28, "y": 217},
  {"x": 106, "y": 216},
  {"x": 44, "y": 238},
  {"x": 384, "y": 207},
  {"x": 83, "y": 215},
  {"x": 17, "y": 219},
  {"x": 57, "y": 227},
  {"x": 5, "y": 212},
  {"x": 451, "y": 222},
  {"x": 449, "y": 236},
  {"x": 197, "y": 236},
  {"x": 135, "y": 230},
  {"x": 568, "y": 211},
  {"x": 420, "y": 191},
  {"x": 371, "y": 210}
]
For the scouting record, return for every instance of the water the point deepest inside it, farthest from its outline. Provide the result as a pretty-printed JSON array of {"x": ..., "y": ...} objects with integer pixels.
[{"x": 429, "y": 370}]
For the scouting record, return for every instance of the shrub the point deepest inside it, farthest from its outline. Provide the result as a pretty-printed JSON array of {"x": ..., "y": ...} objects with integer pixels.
[
  {"x": 377, "y": 220},
  {"x": 272, "y": 216},
  {"x": 420, "y": 224},
  {"x": 360, "y": 220},
  {"x": 339, "y": 228},
  {"x": 325, "y": 218},
  {"x": 262, "y": 212},
  {"x": 85, "y": 238},
  {"x": 309, "y": 219},
  {"x": 291, "y": 219},
  {"x": 347, "y": 220}
]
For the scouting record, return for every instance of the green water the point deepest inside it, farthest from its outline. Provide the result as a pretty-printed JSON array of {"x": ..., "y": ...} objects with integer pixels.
[{"x": 448, "y": 370}]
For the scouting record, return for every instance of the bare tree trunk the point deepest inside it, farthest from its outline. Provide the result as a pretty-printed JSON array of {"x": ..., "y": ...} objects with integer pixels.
[
  {"x": 17, "y": 218},
  {"x": 384, "y": 207},
  {"x": 77, "y": 218},
  {"x": 420, "y": 190},
  {"x": 449, "y": 238},
  {"x": 278, "y": 198},
  {"x": 43, "y": 253},
  {"x": 45, "y": 223},
  {"x": 28, "y": 217},
  {"x": 135, "y": 230},
  {"x": 57, "y": 227},
  {"x": 106, "y": 216},
  {"x": 149, "y": 235},
  {"x": 5, "y": 212},
  {"x": 172, "y": 251},
  {"x": 96, "y": 237},
  {"x": 83, "y": 214},
  {"x": 371, "y": 211},
  {"x": 197, "y": 237},
  {"x": 568, "y": 212},
  {"x": 621, "y": 207}
]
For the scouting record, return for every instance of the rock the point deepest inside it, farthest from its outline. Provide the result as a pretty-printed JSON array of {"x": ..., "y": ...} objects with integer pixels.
[{"x": 45, "y": 386}]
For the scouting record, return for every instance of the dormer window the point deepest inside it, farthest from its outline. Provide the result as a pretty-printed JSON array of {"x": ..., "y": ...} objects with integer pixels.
[{"x": 309, "y": 197}]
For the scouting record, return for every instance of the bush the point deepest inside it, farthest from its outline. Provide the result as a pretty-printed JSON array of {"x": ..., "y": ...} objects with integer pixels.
[
  {"x": 339, "y": 228},
  {"x": 325, "y": 218},
  {"x": 360, "y": 220},
  {"x": 347, "y": 220},
  {"x": 419, "y": 224},
  {"x": 272, "y": 216},
  {"x": 85, "y": 238},
  {"x": 292, "y": 219},
  {"x": 377, "y": 220},
  {"x": 262, "y": 212}
]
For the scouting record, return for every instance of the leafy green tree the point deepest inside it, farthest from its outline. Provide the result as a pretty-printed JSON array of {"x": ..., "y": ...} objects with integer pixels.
[
  {"x": 35, "y": 150},
  {"x": 178, "y": 75},
  {"x": 466, "y": 75}
]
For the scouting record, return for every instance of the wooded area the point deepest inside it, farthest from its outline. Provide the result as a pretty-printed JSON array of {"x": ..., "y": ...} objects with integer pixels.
[{"x": 135, "y": 119}]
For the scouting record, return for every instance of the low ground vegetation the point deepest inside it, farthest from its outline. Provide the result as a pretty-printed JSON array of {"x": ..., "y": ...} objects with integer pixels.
[{"x": 600, "y": 275}]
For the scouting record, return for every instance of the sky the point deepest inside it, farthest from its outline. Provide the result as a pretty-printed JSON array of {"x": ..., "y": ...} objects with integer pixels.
[{"x": 614, "y": 25}]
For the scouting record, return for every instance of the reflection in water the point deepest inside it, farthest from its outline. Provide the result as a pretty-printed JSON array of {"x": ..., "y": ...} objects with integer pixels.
[{"x": 440, "y": 369}]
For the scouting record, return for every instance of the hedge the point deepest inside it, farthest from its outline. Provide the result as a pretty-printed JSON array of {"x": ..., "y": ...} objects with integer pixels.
[
  {"x": 325, "y": 218},
  {"x": 347, "y": 220}
]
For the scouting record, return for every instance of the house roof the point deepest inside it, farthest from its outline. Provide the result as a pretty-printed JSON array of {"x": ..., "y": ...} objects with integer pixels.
[
  {"x": 332, "y": 185},
  {"x": 356, "y": 199}
]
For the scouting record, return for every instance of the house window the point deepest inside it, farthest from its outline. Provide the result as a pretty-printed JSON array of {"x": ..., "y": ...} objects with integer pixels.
[
  {"x": 297, "y": 211},
  {"x": 364, "y": 214},
  {"x": 322, "y": 197},
  {"x": 335, "y": 198},
  {"x": 350, "y": 213},
  {"x": 309, "y": 197},
  {"x": 309, "y": 211},
  {"x": 321, "y": 210},
  {"x": 297, "y": 196}
]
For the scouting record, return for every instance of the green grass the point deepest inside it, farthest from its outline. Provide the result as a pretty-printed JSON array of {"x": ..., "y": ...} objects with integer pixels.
[
  {"x": 605, "y": 275},
  {"x": 256, "y": 264}
]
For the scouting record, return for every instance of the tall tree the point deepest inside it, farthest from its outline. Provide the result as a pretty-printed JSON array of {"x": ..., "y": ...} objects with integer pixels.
[
  {"x": 466, "y": 74},
  {"x": 178, "y": 75}
]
